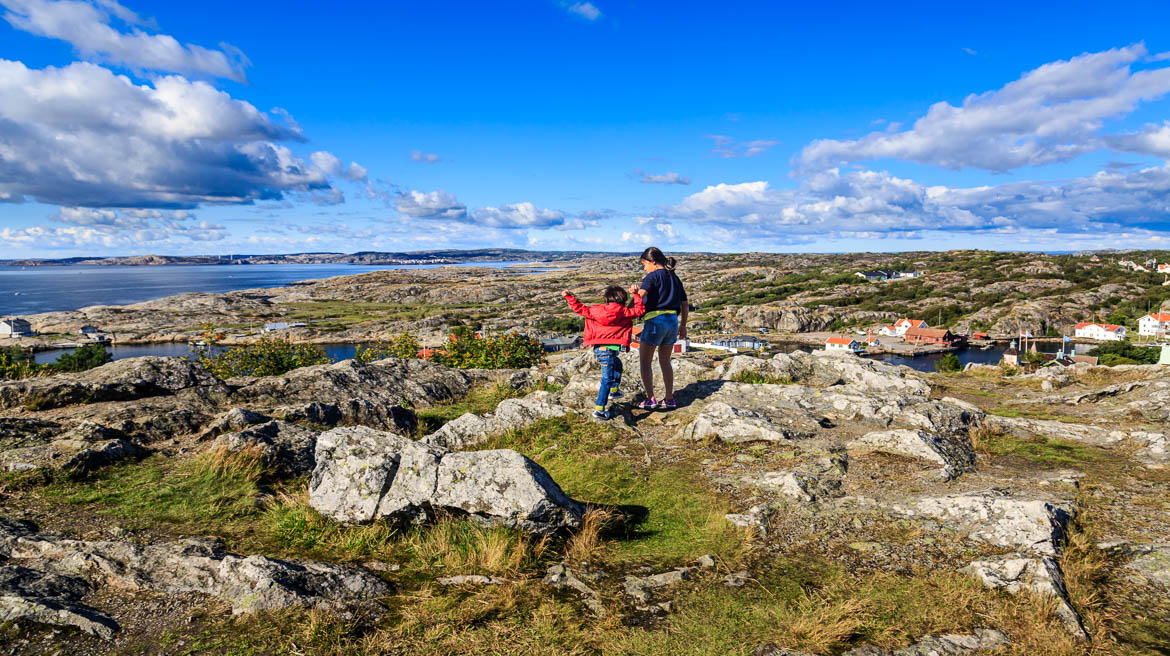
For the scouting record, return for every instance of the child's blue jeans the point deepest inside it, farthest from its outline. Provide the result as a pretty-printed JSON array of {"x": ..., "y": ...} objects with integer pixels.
[{"x": 611, "y": 373}]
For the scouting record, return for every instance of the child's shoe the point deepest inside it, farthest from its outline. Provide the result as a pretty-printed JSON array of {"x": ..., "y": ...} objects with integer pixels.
[
  {"x": 647, "y": 404},
  {"x": 601, "y": 414},
  {"x": 615, "y": 393},
  {"x": 667, "y": 404}
]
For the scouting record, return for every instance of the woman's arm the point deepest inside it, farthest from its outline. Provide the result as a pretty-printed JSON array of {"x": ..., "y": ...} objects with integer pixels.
[{"x": 684, "y": 310}]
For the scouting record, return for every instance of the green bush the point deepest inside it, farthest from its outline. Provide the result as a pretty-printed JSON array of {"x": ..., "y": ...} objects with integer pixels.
[
  {"x": 16, "y": 363},
  {"x": 1114, "y": 353},
  {"x": 269, "y": 356},
  {"x": 509, "y": 351},
  {"x": 81, "y": 359},
  {"x": 404, "y": 346},
  {"x": 562, "y": 324},
  {"x": 948, "y": 364}
]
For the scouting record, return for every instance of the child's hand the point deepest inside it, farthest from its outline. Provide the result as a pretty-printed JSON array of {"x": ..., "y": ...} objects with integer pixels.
[{"x": 566, "y": 293}]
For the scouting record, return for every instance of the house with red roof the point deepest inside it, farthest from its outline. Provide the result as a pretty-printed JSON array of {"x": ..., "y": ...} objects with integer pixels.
[
  {"x": 940, "y": 336},
  {"x": 846, "y": 344},
  {"x": 1105, "y": 332},
  {"x": 899, "y": 327},
  {"x": 1164, "y": 268},
  {"x": 1154, "y": 324}
]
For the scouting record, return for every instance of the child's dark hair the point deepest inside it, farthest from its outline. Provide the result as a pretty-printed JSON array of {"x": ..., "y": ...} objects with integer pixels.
[
  {"x": 615, "y": 294},
  {"x": 656, "y": 256}
]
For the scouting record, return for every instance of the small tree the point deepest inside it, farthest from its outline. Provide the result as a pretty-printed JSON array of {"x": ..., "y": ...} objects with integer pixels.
[
  {"x": 16, "y": 363},
  {"x": 268, "y": 356},
  {"x": 82, "y": 358},
  {"x": 948, "y": 364},
  {"x": 403, "y": 346}
]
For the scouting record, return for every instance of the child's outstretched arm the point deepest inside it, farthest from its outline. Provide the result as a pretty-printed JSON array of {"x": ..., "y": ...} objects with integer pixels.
[
  {"x": 575, "y": 305},
  {"x": 638, "y": 310}
]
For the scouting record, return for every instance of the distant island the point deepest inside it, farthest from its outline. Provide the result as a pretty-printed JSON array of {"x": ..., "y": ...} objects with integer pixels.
[{"x": 363, "y": 257}]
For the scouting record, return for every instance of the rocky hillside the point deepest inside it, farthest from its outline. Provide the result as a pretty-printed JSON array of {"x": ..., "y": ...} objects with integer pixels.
[
  {"x": 1001, "y": 293},
  {"x": 833, "y": 505}
]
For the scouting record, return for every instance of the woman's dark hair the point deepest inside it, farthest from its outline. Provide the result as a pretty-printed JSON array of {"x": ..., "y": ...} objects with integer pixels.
[
  {"x": 654, "y": 255},
  {"x": 615, "y": 294}
]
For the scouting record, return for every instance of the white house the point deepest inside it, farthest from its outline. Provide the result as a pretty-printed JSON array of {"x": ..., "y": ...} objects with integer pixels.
[
  {"x": 1164, "y": 268},
  {"x": 1106, "y": 332},
  {"x": 842, "y": 344},
  {"x": 1154, "y": 324},
  {"x": 15, "y": 328},
  {"x": 899, "y": 327}
]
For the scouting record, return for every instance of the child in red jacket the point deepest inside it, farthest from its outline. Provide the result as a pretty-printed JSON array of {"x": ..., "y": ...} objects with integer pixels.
[{"x": 608, "y": 328}]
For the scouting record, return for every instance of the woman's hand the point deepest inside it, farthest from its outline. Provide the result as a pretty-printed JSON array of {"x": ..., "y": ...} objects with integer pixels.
[
  {"x": 682, "y": 331},
  {"x": 634, "y": 288}
]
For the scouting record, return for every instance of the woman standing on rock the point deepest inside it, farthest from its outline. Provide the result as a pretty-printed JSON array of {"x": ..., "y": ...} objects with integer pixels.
[{"x": 665, "y": 322}]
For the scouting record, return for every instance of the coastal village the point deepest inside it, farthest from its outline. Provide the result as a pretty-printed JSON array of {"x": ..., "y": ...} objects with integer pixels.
[{"x": 903, "y": 337}]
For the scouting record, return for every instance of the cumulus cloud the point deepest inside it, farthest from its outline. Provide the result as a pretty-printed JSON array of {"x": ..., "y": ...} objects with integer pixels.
[
  {"x": 82, "y": 227},
  {"x": 727, "y": 148},
  {"x": 586, "y": 10},
  {"x": 518, "y": 215},
  {"x": 1052, "y": 114},
  {"x": 874, "y": 203},
  {"x": 661, "y": 178},
  {"x": 430, "y": 205},
  {"x": 82, "y": 136},
  {"x": 1151, "y": 140},
  {"x": 86, "y": 25},
  {"x": 425, "y": 158}
]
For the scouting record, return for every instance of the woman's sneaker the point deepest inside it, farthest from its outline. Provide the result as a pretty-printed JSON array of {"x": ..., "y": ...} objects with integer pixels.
[
  {"x": 667, "y": 404},
  {"x": 647, "y": 404}
]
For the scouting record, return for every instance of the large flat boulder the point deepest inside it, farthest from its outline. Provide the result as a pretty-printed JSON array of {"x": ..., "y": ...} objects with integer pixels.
[
  {"x": 954, "y": 454},
  {"x": 749, "y": 423},
  {"x": 363, "y": 474},
  {"x": 247, "y": 583},
  {"x": 286, "y": 449},
  {"x": 1015, "y": 574},
  {"x": 471, "y": 429},
  {"x": 370, "y": 394},
  {"x": 1030, "y": 526},
  {"x": 121, "y": 380}
]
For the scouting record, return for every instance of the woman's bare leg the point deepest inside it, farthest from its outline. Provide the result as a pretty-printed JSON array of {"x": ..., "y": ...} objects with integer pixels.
[
  {"x": 645, "y": 363},
  {"x": 667, "y": 370}
]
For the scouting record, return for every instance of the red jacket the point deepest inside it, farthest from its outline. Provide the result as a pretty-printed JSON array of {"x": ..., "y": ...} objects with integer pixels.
[{"x": 608, "y": 323}]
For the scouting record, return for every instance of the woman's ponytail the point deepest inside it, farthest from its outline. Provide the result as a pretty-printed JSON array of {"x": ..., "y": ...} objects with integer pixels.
[{"x": 653, "y": 254}]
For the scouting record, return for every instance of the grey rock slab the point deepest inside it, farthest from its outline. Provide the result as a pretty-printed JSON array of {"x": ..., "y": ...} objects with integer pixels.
[
  {"x": 757, "y": 517},
  {"x": 1029, "y": 525},
  {"x": 1150, "y": 565},
  {"x": 559, "y": 576},
  {"x": 102, "y": 455},
  {"x": 470, "y": 579},
  {"x": 954, "y": 454},
  {"x": 287, "y": 449},
  {"x": 471, "y": 429},
  {"x": 725, "y": 422},
  {"x": 363, "y": 474},
  {"x": 248, "y": 583},
  {"x": 799, "y": 486},
  {"x": 368, "y": 394},
  {"x": 27, "y": 594},
  {"x": 1041, "y": 575},
  {"x": 236, "y": 419},
  {"x": 944, "y": 645},
  {"x": 506, "y": 488},
  {"x": 1152, "y": 446},
  {"x": 121, "y": 380}
]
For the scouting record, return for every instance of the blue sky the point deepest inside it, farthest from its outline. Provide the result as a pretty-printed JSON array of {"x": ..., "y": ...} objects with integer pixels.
[{"x": 256, "y": 127}]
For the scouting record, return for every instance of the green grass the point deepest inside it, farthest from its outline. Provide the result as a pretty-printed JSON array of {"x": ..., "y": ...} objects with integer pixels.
[
  {"x": 480, "y": 400},
  {"x": 205, "y": 494},
  {"x": 1044, "y": 452},
  {"x": 685, "y": 520}
]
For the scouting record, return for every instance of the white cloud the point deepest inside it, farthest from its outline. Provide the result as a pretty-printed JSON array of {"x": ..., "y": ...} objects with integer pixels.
[
  {"x": 425, "y": 158},
  {"x": 727, "y": 148},
  {"x": 86, "y": 25},
  {"x": 585, "y": 10},
  {"x": 969, "y": 51},
  {"x": 661, "y": 178},
  {"x": 430, "y": 205},
  {"x": 82, "y": 136},
  {"x": 518, "y": 215},
  {"x": 1151, "y": 140},
  {"x": 1053, "y": 113},
  {"x": 875, "y": 203},
  {"x": 106, "y": 228}
]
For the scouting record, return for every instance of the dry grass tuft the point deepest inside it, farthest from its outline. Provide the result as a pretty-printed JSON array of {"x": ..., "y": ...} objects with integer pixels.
[
  {"x": 457, "y": 546},
  {"x": 245, "y": 464},
  {"x": 587, "y": 542}
]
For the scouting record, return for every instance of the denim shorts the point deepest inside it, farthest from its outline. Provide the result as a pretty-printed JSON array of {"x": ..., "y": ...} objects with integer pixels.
[{"x": 661, "y": 330}]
